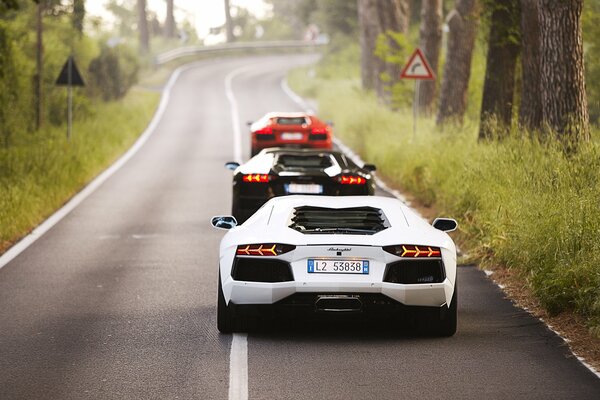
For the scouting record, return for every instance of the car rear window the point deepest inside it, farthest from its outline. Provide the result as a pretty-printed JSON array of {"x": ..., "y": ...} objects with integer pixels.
[
  {"x": 350, "y": 221},
  {"x": 304, "y": 161},
  {"x": 291, "y": 120}
]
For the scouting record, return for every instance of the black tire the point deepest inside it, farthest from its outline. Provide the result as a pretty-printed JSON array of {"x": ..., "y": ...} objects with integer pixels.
[
  {"x": 448, "y": 319},
  {"x": 254, "y": 152},
  {"x": 225, "y": 313}
]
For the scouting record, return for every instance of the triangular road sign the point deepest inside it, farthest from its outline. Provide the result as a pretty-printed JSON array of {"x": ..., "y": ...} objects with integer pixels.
[
  {"x": 69, "y": 75},
  {"x": 417, "y": 67}
]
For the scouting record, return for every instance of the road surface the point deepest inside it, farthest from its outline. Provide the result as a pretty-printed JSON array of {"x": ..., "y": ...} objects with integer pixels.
[{"x": 117, "y": 300}]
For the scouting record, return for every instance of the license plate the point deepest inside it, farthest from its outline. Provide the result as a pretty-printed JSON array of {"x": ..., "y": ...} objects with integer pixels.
[
  {"x": 325, "y": 266},
  {"x": 292, "y": 136},
  {"x": 306, "y": 188}
]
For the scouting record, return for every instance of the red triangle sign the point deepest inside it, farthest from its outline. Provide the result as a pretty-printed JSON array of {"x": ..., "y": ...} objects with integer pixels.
[{"x": 417, "y": 67}]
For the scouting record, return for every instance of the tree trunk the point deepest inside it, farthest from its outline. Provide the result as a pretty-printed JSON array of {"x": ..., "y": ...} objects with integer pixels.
[
  {"x": 39, "y": 67},
  {"x": 170, "y": 21},
  {"x": 499, "y": 83},
  {"x": 375, "y": 18},
  {"x": 564, "y": 103},
  {"x": 393, "y": 15},
  {"x": 368, "y": 27},
  {"x": 530, "y": 111},
  {"x": 228, "y": 23},
  {"x": 430, "y": 42},
  {"x": 143, "y": 27},
  {"x": 462, "y": 21}
]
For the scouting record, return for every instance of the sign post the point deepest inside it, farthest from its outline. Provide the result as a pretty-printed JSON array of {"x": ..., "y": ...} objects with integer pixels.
[
  {"x": 69, "y": 76},
  {"x": 417, "y": 68}
]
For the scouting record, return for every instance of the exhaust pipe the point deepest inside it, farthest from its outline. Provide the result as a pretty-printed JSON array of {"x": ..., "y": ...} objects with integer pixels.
[{"x": 338, "y": 303}]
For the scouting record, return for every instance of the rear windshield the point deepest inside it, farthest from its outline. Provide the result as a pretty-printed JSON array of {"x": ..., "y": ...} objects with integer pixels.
[
  {"x": 291, "y": 120},
  {"x": 304, "y": 161}
]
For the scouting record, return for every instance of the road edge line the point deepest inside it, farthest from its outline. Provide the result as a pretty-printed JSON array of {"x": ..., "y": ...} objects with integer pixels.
[
  {"x": 78, "y": 198},
  {"x": 238, "y": 367}
]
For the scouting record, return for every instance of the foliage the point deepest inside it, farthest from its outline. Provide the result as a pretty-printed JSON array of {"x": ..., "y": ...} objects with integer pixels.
[
  {"x": 520, "y": 203},
  {"x": 591, "y": 37},
  {"x": 113, "y": 72}
]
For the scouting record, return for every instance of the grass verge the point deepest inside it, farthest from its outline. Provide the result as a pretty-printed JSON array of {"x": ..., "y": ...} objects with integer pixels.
[
  {"x": 40, "y": 171},
  {"x": 521, "y": 204}
]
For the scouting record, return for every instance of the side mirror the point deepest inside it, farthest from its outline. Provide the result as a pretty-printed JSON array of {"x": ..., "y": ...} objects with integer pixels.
[
  {"x": 370, "y": 167},
  {"x": 249, "y": 123},
  {"x": 445, "y": 224},
  {"x": 224, "y": 222},
  {"x": 232, "y": 165},
  {"x": 330, "y": 123}
]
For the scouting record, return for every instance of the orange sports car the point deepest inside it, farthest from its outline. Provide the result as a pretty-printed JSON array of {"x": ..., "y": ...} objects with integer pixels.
[{"x": 290, "y": 129}]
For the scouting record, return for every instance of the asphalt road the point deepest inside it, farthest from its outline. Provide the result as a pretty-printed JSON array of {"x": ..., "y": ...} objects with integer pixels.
[{"x": 117, "y": 301}]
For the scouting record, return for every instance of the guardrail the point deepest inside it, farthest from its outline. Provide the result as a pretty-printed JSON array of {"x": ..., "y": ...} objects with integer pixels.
[{"x": 221, "y": 48}]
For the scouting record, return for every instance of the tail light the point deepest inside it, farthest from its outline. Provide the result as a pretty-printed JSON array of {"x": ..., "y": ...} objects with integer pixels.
[
  {"x": 256, "y": 178},
  {"x": 264, "y": 249},
  {"x": 352, "y": 180},
  {"x": 412, "y": 251},
  {"x": 267, "y": 130},
  {"x": 319, "y": 131}
]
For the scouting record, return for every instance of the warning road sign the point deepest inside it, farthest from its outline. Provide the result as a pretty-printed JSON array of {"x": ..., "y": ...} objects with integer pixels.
[
  {"x": 417, "y": 67},
  {"x": 69, "y": 75}
]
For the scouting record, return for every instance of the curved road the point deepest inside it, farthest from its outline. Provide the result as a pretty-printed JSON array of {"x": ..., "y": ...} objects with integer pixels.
[{"x": 117, "y": 300}]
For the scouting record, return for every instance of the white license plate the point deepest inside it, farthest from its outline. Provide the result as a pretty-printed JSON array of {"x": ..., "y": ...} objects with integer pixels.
[
  {"x": 292, "y": 136},
  {"x": 306, "y": 188},
  {"x": 328, "y": 266}
]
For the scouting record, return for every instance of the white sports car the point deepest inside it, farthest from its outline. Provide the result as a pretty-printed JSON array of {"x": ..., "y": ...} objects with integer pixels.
[{"x": 311, "y": 255}]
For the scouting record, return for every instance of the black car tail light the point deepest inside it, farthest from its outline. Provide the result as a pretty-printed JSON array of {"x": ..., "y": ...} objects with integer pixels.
[
  {"x": 264, "y": 249},
  {"x": 261, "y": 270},
  {"x": 415, "y": 271},
  {"x": 352, "y": 180},
  {"x": 256, "y": 178},
  {"x": 413, "y": 251}
]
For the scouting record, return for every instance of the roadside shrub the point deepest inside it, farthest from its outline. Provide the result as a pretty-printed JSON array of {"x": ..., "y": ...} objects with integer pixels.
[{"x": 113, "y": 72}]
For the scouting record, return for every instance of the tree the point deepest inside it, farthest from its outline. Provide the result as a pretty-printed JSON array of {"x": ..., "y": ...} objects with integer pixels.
[
  {"x": 376, "y": 17},
  {"x": 530, "y": 110},
  {"x": 143, "y": 27},
  {"x": 228, "y": 22},
  {"x": 564, "y": 103},
  {"x": 462, "y": 21},
  {"x": 78, "y": 14},
  {"x": 430, "y": 42},
  {"x": 499, "y": 82},
  {"x": 170, "y": 21}
]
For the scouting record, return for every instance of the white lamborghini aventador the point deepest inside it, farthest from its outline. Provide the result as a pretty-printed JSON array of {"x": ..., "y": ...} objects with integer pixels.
[{"x": 319, "y": 255}]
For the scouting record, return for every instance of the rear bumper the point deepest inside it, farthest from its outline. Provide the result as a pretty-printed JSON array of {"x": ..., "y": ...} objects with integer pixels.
[
  {"x": 432, "y": 295},
  {"x": 258, "y": 145}
]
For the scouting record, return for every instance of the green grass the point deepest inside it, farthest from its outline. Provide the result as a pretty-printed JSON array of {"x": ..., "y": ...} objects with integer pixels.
[
  {"x": 520, "y": 204},
  {"x": 40, "y": 171}
]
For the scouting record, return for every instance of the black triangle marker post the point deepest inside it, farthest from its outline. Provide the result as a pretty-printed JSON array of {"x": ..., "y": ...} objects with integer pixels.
[{"x": 69, "y": 76}]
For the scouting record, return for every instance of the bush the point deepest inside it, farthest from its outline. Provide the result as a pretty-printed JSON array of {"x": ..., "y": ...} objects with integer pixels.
[{"x": 113, "y": 72}]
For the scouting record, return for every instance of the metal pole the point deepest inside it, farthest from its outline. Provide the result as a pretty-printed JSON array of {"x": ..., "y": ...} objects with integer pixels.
[
  {"x": 69, "y": 97},
  {"x": 416, "y": 107}
]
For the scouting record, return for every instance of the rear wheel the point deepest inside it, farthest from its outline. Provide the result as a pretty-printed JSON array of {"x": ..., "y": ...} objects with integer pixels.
[
  {"x": 447, "y": 320},
  {"x": 225, "y": 313}
]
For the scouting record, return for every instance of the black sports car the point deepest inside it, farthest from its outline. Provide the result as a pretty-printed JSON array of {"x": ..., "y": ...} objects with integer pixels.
[{"x": 279, "y": 172}]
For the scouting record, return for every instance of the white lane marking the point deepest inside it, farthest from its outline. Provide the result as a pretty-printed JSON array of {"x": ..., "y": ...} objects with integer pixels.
[
  {"x": 235, "y": 115},
  {"x": 238, "y": 356},
  {"x": 357, "y": 160},
  {"x": 238, "y": 367},
  {"x": 45, "y": 226}
]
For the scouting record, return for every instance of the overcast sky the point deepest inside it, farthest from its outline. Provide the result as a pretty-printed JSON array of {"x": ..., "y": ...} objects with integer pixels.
[{"x": 203, "y": 13}]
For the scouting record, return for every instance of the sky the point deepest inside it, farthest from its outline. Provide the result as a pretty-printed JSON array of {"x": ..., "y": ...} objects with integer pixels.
[{"x": 204, "y": 14}]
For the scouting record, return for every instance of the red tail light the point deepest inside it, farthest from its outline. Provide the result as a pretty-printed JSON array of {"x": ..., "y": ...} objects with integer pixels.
[
  {"x": 256, "y": 178},
  {"x": 319, "y": 131},
  {"x": 352, "y": 180},
  {"x": 267, "y": 130},
  {"x": 412, "y": 251},
  {"x": 264, "y": 249}
]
